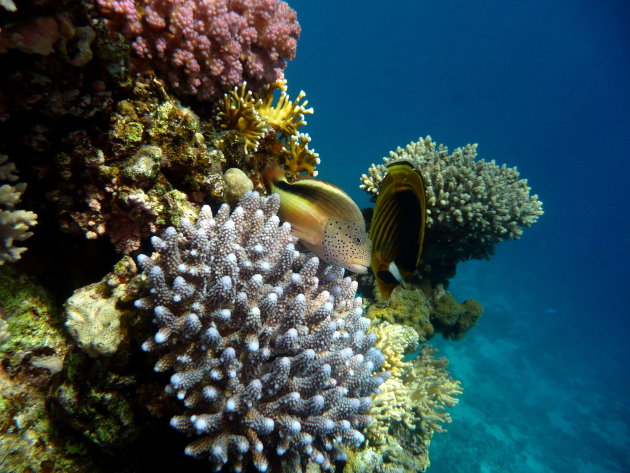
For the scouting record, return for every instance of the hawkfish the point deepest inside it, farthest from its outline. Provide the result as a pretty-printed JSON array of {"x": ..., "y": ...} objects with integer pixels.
[
  {"x": 397, "y": 228},
  {"x": 324, "y": 218}
]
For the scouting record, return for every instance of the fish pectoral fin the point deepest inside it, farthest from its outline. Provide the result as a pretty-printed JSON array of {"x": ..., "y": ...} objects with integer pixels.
[
  {"x": 394, "y": 271},
  {"x": 308, "y": 229},
  {"x": 386, "y": 277}
]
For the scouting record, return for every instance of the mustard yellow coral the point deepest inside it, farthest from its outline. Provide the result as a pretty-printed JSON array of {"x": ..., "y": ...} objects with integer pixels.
[
  {"x": 271, "y": 125},
  {"x": 394, "y": 341},
  {"x": 298, "y": 157},
  {"x": 239, "y": 113},
  {"x": 285, "y": 116}
]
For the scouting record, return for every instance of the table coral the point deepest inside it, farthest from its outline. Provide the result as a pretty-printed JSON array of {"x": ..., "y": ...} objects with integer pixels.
[
  {"x": 15, "y": 224},
  {"x": 205, "y": 48},
  {"x": 471, "y": 204}
]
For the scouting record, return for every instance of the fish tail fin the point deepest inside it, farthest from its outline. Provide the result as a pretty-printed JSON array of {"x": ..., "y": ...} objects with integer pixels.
[{"x": 272, "y": 174}]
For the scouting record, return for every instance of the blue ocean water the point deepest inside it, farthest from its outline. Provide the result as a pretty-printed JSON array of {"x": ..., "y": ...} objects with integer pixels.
[{"x": 544, "y": 86}]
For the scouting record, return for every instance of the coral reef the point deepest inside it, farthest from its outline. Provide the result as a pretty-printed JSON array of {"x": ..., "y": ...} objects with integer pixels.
[
  {"x": 269, "y": 127},
  {"x": 205, "y": 48},
  {"x": 471, "y": 204},
  {"x": 15, "y": 224},
  {"x": 59, "y": 64},
  {"x": 269, "y": 348},
  {"x": 427, "y": 310}
]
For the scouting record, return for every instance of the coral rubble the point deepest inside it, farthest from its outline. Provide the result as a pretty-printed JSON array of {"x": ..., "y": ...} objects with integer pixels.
[
  {"x": 471, "y": 204},
  {"x": 271, "y": 357}
]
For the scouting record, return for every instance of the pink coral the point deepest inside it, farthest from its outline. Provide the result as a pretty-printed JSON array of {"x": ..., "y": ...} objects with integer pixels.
[{"x": 206, "y": 47}]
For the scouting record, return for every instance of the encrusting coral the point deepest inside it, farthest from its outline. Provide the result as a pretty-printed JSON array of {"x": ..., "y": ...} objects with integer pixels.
[
  {"x": 33, "y": 347},
  {"x": 272, "y": 361},
  {"x": 95, "y": 314},
  {"x": 270, "y": 126},
  {"x": 15, "y": 224},
  {"x": 471, "y": 204}
]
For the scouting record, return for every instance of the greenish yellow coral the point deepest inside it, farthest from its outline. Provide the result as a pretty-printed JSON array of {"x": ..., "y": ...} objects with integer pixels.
[
  {"x": 409, "y": 307},
  {"x": 427, "y": 310},
  {"x": 33, "y": 350}
]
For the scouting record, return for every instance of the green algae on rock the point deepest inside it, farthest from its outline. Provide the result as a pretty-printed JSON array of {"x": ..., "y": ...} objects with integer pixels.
[{"x": 33, "y": 352}]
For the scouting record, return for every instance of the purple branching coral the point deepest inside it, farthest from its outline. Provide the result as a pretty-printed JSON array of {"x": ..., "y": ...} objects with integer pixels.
[{"x": 269, "y": 347}]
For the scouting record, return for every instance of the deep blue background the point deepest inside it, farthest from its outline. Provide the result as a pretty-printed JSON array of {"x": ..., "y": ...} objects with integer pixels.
[{"x": 544, "y": 86}]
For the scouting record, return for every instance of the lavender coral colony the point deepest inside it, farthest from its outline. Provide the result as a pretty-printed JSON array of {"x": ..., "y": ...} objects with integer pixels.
[
  {"x": 204, "y": 48},
  {"x": 268, "y": 346}
]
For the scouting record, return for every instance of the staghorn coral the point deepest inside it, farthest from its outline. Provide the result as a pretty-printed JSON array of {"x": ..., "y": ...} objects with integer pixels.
[
  {"x": 15, "y": 224},
  {"x": 471, "y": 204},
  {"x": 269, "y": 126},
  {"x": 271, "y": 357},
  {"x": 205, "y": 48}
]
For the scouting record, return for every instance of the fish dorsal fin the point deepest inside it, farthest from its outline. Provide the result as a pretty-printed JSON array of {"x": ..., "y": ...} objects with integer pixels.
[{"x": 329, "y": 199}]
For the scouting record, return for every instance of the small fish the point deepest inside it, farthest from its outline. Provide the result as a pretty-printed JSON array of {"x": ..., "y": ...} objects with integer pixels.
[
  {"x": 324, "y": 218},
  {"x": 397, "y": 229}
]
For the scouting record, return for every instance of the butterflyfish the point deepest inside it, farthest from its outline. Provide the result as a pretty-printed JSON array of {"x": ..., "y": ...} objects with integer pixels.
[
  {"x": 397, "y": 228},
  {"x": 324, "y": 218}
]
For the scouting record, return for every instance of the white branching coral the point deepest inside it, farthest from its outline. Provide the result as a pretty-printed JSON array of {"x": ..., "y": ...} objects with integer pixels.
[
  {"x": 15, "y": 224},
  {"x": 471, "y": 204},
  {"x": 272, "y": 359}
]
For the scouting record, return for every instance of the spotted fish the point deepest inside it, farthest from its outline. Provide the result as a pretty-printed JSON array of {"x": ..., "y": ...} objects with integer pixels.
[
  {"x": 324, "y": 218},
  {"x": 397, "y": 228}
]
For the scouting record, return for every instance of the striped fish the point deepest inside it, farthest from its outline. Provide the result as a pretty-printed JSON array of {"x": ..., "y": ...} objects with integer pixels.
[
  {"x": 324, "y": 218},
  {"x": 397, "y": 229}
]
